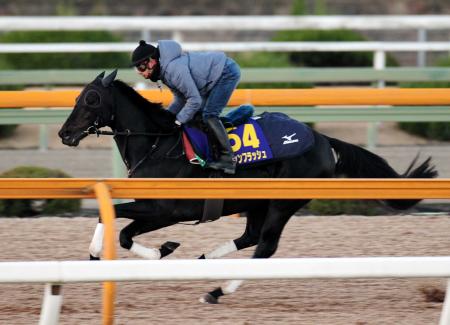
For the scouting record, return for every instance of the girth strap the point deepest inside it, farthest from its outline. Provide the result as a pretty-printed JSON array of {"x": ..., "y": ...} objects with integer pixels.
[{"x": 213, "y": 208}]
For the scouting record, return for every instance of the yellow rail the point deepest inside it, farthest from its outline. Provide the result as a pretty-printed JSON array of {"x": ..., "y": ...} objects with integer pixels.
[
  {"x": 258, "y": 97},
  {"x": 107, "y": 215},
  {"x": 205, "y": 188},
  {"x": 104, "y": 189}
]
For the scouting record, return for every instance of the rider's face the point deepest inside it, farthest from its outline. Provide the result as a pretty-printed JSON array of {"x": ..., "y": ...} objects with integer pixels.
[{"x": 145, "y": 68}]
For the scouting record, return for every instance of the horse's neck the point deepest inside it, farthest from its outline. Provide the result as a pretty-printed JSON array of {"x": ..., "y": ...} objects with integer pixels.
[
  {"x": 127, "y": 119},
  {"x": 127, "y": 116},
  {"x": 160, "y": 156},
  {"x": 153, "y": 149}
]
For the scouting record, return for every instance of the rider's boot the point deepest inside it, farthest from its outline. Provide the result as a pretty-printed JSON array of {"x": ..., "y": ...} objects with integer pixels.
[{"x": 225, "y": 161}]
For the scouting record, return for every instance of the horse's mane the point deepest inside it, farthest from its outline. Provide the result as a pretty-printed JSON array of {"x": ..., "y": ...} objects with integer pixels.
[{"x": 154, "y": 111}]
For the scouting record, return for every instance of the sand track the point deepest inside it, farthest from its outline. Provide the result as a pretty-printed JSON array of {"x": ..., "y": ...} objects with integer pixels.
[{"x": 386, "y": 301}]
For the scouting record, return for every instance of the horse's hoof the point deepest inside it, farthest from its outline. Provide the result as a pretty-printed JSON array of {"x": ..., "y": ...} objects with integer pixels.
[
  {"x": 93, "y": 258},
  {"x": 209, "y": 299},
  {"x": 202, "y": 257},
  {"x": 171, "y": 245},
  {"x": 168, "y": 248}
]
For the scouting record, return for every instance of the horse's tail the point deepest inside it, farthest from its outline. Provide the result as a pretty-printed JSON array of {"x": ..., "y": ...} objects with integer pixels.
[{"x": 357, "y": 162}]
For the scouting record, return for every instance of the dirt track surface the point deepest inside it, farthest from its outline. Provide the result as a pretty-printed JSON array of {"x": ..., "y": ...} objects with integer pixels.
[{"x": 386, "y": 301}]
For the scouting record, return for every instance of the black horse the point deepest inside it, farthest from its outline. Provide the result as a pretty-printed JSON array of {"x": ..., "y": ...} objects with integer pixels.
[{"x": 150, "y": 146}]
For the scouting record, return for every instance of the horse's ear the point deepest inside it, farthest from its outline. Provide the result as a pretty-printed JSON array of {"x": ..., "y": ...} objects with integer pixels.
[
  {"x": 109, "y": 79},
  {"x": 100, "y": 76}
]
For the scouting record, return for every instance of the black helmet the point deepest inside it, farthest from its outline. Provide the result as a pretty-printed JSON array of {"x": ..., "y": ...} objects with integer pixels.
[{"x": 142, "y": 52}]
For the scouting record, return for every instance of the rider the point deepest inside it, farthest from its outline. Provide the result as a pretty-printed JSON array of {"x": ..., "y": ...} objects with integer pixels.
[{"x": 199, "y": 81}]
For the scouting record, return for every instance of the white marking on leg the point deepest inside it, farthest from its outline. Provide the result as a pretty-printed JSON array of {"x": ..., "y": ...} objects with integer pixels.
[
  {"x": 95, "y": 248},
  {"x": 225, "y": 249},
  {"x": 144, "y": 252},
  {"x": 231, "y": 286}
]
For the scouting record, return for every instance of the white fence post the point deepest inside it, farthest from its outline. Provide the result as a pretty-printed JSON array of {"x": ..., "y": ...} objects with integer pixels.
[
  {"x": 445, "y": 315},
  {"x": 422, "y": 55},
  {"x": 379, "y": 63},
  {"x": 43, "y": 137},
  {"x": 177, "y": 35},
  {"x": 146, "y": 36},
  {"x": 51, "y": 306}
]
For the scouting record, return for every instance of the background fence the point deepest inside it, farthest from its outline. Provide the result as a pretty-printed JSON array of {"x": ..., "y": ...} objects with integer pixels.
[
  {"x": 378, "y": 76},
  {"x": 306, "y": 105},
  {"x": 241, "y": 23},
  {"x": 416, "y": 110},
  {"x": 179, "y": 24}
]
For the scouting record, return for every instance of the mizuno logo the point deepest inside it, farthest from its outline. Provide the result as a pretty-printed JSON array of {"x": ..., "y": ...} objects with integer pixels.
[{"x": 289, "y": 139}]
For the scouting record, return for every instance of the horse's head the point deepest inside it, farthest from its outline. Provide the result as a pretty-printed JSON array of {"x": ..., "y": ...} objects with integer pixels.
[{"x": 94, "y": 108}]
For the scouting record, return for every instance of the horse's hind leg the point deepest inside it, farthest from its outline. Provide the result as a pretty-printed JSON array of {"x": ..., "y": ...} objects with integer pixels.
[
  {"x": 280, "y": 211},
  {"x": 255, "y": 220},
  {"x": 250, "y": 237}
]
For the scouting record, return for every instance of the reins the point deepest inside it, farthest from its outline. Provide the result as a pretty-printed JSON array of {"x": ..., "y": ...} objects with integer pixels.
[{"x": 127, "y": 133}]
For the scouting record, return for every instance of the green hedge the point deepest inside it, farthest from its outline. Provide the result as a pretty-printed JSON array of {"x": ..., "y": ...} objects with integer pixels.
[
  {"x": 7, "y": 130},
  {"x": 307, "y": 59},
  {"x": 325, "y": 59},
  {"x": 328, "y": 59},
  {"x": 266, "y": 60},
  {"x": 21, "y": 61},
  {"x": 28, "y": 207},
  {"x": 429, "y": 130},
  {"x": 349, "y": 207}
]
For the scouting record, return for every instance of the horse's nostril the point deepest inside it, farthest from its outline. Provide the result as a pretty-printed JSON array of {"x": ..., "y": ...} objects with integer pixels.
[{"x": 64, "y": 135}]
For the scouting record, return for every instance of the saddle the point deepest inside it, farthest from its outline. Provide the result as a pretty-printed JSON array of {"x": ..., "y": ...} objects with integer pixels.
[{"x": 254, "y": 139}]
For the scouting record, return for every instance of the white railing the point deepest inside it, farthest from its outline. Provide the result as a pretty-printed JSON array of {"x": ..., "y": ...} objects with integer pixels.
[
  {"x": 233, "y": 47},
  {"x": 55, "y": 273},
  {"x": 222, "y": 269},
  {"x": 214, "y": 23},
  {"x": 178, "y": 24}
]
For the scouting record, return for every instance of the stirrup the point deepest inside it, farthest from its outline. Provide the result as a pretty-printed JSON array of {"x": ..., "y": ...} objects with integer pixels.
[{"x": 220, "y": 165}]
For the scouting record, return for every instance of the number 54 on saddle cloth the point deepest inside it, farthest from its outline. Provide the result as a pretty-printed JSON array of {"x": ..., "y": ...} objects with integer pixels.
[{"x": 262, "y": 138}]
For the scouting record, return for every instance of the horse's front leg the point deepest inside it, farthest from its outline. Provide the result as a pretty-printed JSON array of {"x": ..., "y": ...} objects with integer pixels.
[
  {"x": 148, "y": 220},
  {"x": 96, "y": 245},
  {"x": 138, "y": 227}
]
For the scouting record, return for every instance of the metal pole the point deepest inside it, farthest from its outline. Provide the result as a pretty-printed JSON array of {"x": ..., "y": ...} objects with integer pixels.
[
  {"x": 43, "y": 137},
  {"x": 118, "y": 167},
  {"x": 422, "y": 55},
  {"x": 379, "y": 63},
  {"x": 146, "y": 35},
  {"x": 51, "y": 306},
  {"x": 177, "y": 35}
]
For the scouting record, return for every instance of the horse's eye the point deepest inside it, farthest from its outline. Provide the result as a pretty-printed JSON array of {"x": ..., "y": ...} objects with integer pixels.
[{"x": 92, "y": 98}]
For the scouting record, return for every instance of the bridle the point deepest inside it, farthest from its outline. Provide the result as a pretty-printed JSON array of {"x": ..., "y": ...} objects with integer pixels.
[{"x": 127, "y": 133}]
